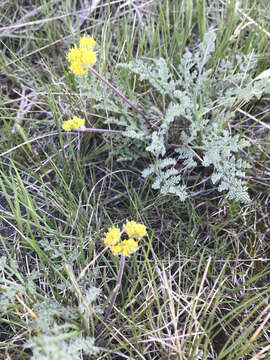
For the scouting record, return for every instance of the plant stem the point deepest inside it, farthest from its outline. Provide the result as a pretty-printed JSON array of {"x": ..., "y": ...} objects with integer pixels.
[
  {"x": 100, "y": 130},
  {"x": 115, "y": 293},
  {"x": 117, "y": 92},
  {"x": 117, "y": 287}
]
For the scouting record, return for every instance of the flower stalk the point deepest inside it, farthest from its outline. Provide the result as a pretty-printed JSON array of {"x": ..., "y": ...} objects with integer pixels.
[
  {"x": 123, "y": 248},
  {"x": 116, "y": 289},
  {"x": 117, "y": 92},
  {"x": 78, "y": 124}
]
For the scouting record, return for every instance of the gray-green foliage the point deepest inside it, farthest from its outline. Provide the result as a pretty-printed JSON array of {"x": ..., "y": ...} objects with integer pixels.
[
  {"x": 57, "y": 347},
  {"x": 190, "y": 128},
  {"x": 54, "y": 326},
  {"x": 115, "y": 112}
]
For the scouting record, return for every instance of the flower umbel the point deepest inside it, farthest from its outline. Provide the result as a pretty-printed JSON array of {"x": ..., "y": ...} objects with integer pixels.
[
  {"x": 112, "y": 237},
  {"x": 75, "y": 123},
  {"x": 82, "y": 57},
  {"x": 125, "y": 247},
  {"x": 87, "y": 42},
  {"x": 135, "y": 230}
]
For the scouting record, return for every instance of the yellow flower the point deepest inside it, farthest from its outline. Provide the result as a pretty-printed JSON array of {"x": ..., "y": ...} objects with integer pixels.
[
  {"x": 84, "y": 56},
  {"x": 117, "y": 246},
  {"x": 76, "y": 68},
  {"x": 74, "y": 54},
  {"x": 126, "y": 247},
  {"x": 66, "y": 125},
  {"x": 88, "y": 57},
  {"x": 75, "y": 123},
  {"x": 134, "y": 229},
  {"x": 116, "y": 249},
  {"x": 129, "y": 246},
  {"x": 112, "y": 237},
  {"x": 87, "y": 41}
]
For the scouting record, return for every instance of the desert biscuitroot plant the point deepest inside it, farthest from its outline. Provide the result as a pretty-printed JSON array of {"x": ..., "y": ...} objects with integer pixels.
[
  {"x": 123, "y": 247},
  {"x": 184, "y": 125}
]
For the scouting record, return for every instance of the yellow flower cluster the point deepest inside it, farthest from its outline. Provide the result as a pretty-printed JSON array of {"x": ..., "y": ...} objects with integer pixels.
[
  {"x": 125, "y": 247},
  {"x": 135, "y": 230},
  {"x": 112, "y": 236},
  {"x": 74, "y": 123},
  {"x": 83, "y": 56}
]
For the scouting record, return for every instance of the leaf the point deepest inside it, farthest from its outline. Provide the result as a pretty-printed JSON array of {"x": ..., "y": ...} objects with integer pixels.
[{"x": 263, "y": 75}]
